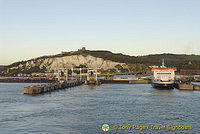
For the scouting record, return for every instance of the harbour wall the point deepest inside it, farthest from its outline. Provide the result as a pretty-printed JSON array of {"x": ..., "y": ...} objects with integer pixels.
[
  {"x": 44, "y": 88},
  {"x": 187, "y": 86}
]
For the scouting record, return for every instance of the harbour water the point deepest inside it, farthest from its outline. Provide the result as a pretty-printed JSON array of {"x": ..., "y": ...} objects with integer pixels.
[{"x": 84, "y": 109}]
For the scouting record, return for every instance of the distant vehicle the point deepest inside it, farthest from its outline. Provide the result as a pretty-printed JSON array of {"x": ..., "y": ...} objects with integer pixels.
[{"x": 163, "y": 77}]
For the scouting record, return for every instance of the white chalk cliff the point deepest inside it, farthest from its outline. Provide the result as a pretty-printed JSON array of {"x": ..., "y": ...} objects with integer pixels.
[{"x": 53, "y": 64}]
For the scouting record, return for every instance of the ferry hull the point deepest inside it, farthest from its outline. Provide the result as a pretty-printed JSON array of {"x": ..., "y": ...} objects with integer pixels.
[{"x": 163, "y": 85}]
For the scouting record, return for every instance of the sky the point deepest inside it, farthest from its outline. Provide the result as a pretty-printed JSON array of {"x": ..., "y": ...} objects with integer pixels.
[{"x": 33, "y": 28}]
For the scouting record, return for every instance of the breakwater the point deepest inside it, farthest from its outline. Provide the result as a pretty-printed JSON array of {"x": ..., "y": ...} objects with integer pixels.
[
  {"x": 38, "y": 89},
  {"x": 187, "y": 86}
]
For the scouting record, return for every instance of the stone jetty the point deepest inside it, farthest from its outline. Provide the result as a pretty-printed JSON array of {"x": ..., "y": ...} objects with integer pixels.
[
  {"x": 38, "y": 89},
  {"x": 187, "y": 86}
]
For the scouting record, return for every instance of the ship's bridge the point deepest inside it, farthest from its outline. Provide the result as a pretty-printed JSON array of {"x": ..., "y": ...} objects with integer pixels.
[{"x": 164, "y": 73}]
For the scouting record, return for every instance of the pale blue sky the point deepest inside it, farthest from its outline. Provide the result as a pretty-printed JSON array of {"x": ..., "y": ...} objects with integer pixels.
[{"x": 32, "y": 28}]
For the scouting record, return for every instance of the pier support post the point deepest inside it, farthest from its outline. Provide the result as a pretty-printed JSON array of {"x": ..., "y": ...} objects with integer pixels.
[
  {"x": 96, "y": 74},
  {"x": 66, "y": 75},
  {"x": 80, "y": 75},
  {"x": 72, "y": 73}
]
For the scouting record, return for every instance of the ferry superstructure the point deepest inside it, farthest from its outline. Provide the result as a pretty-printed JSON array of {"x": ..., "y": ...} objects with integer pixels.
[{"x": 163, "y": 77}]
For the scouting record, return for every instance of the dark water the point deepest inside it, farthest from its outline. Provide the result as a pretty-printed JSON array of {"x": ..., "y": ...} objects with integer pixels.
[{"x": 84, "y": 109}]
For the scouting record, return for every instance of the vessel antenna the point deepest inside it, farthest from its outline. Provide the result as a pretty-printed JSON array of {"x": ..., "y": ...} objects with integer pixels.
[{"x": 163, "y": 62}]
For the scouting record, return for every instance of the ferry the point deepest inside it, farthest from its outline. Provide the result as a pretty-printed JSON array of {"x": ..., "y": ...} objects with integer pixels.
[{"x": 163, "y": 77}]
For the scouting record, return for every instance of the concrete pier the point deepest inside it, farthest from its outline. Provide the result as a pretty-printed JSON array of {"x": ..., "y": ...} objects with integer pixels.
[
  {"x": 187, "y": 86},
  {"x": 196, "y": 87},
  {"x": 38, "y": 89}
]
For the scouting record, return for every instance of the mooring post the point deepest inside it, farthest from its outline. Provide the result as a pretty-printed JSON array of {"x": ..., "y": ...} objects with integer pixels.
[
  {"x": 72, "y": 73},
  {"x": 80, "y": 74},
  {"x": 66, "y": 75},
  {"x": 96, "y": 74}
]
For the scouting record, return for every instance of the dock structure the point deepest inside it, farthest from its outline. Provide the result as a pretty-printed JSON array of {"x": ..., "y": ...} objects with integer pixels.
[
  {"x": 38, "y": 89},
  {"x": 64, "y": 81},
  {"x": 187, "y": 86},
  {"x": 92, "y": 77}
]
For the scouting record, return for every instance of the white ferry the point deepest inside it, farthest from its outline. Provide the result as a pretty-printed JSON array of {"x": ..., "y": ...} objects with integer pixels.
[{"x": 163, "y": 77}]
